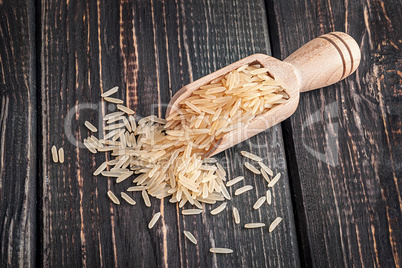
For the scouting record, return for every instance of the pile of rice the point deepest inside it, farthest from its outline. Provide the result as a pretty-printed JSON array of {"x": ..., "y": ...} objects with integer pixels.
[{"x": 167, "y": 155}]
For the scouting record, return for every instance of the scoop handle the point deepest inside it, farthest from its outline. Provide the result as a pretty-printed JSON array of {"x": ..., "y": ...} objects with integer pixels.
[{"x": 325, "y": 60}]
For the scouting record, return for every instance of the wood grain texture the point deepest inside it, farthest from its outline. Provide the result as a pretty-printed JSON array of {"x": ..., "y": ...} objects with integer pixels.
[
  {"x": 18, "y": 132},
  {"x": 150, "y": 49},
  {"x": 345, "y": 140}
]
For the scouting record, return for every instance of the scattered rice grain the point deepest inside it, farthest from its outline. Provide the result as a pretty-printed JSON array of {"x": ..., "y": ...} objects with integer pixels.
[
  {"x": 259, "y": 202},
  {"x": 274, "y": 180},
  {"x": 269, "y": 197},
  {"x": 251, "y": 168},
  {"x": 110, "y": 92},
  {"x": 154, "y": 219},
  {"x": 113, "y": 100},
  {"x": 243, "y": 189},
  {"x": 191, "y": 211},
  {"x": 254, "y": 225},
  {"x": 146, "y": 198},
  {"x": 125, "y": 109},
  {"x": 266, "y": 168},
  {"x": 190, "y": 237},
  {"x": 251, "y": 156},
  {"x": 128, "y": 198},
  {"x": 274, "y": 224},
  {"x": 236, "y": 215},
  {"x": 61, "y": 155},
  {"x": 90, "y": 126},
  {"x": 234, "y": 181},
  {"x": 113, "y": 197},
  {"x": 221, "y": 250},
  {"x": 54, "y": 154},
  {"x": 219, "y": 209}
]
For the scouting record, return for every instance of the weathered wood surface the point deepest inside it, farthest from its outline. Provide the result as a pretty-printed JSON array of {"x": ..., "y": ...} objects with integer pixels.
[
  {"x": 343, "y": 146},
  {"x": 150, "y": 49},
  {"x": 18, "y": 125},
  {"x": 344, "y": 141}
]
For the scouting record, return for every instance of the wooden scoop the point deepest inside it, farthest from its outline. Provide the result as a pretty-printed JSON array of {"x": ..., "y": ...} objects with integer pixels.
[{"x": 321, "y": 62}]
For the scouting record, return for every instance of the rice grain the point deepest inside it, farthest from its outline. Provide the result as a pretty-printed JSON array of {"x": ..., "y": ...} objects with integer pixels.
[
  {"x": 259, "y": 202},
  {"x": 265, "y": 175},
  {"x": 219, "y": 209},
  {"x": 136, "y": 188},
  {"x": 251, "y": 156},
  {"x": 124, "y": 176},
  {"x": 54, "y": 154},
  {"x": 61, "y": 155},
  {"x": 251, "y": 168},
  {"x": 90, "y": 126},
  {"x": 146, "y": 198},
  {"x": 127, "y": 198},
  {"x": 113, "y": 197},
  {"x": 100, "y": 168},
  {"x": 110, "y": 92},
  {"x": 234, "y": 181},
  {"x": 274, "y": 180},
  {"x": 254, "y": 225},
  {"x": 191, "y": 211},
  {"x": 125, "y": 109},
  {"x": 113, "y": 100},
  {"x": 269, "y": 197},
  {"x": 221, "y": 250},
  {"x": 190, "y": 237},
  {"x": 154, "y": 219},
  {"x": 236, "y": 215},
  {"x": 266, "y": 168},
  {"x": 243, "y": 189},
  {"x": 274, "y": 224}
]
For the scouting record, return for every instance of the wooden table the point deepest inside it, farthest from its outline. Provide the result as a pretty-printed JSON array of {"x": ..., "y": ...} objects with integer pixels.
[{"x": 340, "y": 154}]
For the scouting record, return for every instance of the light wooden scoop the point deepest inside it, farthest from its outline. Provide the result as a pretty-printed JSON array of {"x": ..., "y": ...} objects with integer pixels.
[{"x": 321, "y": 62}]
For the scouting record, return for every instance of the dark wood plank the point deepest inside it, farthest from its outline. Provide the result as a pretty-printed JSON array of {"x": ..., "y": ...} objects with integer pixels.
[
  {"x": 18, "y": 134},
  {"x": 346, "y": 166},
  {"x": 150, "y": 49}
]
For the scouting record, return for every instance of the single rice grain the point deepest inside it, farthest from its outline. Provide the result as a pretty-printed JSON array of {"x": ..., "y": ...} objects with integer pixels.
[
  {"x": 54, "y": 154},
  {"x": 191, "y": 211},
  {"x": 259, "y": 202},
  {"x": 254, "y": 225},
  {"x": 124, "y": 176},
  {"x": 61, "y": 155},
  {"x": 236, "y": 215},
  {"x": 251, "y": 168},
  {"x": 110, "y": 92},
  {"x": 219, "y": 209},
  {"x": 221, "y": 250},
  {"x": 265, "y": 175},
  {"x": 113, "y": 100},
  {"x": 136, "y": 188},
  {"x": 146, "y": 198},
  {"x": 269, "y": 197},
  {"x": 190, "y": 237},
  {"x": 234, "y": 181},
  {"x": 154, "y": 219},
  {"x": 266, "y": 168},
  {"x": 243, "y": 189},
  {"x": 112, "y": 115},
  {"x": 90, "y": 126},
  {"x": 274, "y": 224},
  {"x": 128, "y": 198},
  {"x": 124, "y": 109},
  {"x": 100, "y": 168},
  {"x": 274, "y": 180},
  {"x": 113, "y": 197},
  {"x": 251, "y": 156}
]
